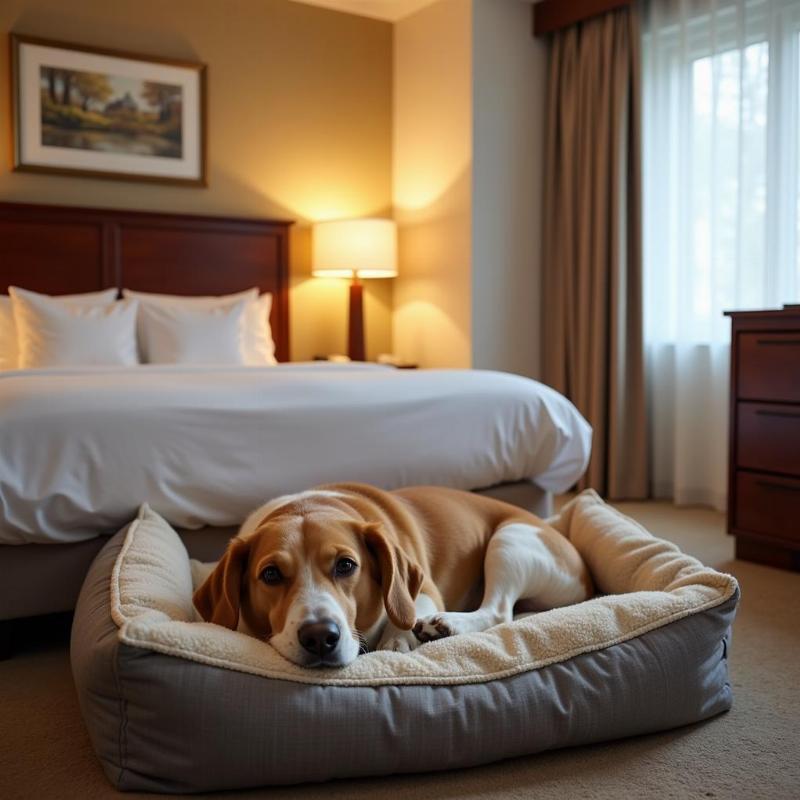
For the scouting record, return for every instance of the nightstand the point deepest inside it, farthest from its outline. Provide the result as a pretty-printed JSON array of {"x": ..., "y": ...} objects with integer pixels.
[
  {"x": 398, "y": 365},
  {"x": 764, "y": 454}
]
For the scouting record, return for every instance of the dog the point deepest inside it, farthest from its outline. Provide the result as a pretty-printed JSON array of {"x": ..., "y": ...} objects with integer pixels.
[{"x": 329, "y": 573}]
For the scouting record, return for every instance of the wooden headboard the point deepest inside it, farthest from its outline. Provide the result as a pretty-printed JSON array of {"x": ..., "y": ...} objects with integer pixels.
[{"x": 64, "y": 250}]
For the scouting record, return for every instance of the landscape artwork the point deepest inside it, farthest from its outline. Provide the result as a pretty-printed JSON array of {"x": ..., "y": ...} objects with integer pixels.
[{"x": 93, "y": 111}]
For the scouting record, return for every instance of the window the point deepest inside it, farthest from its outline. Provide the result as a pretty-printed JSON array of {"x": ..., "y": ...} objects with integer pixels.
[
  {"x": 721, "y": 154},
  {"x": 721, "y": 202}
]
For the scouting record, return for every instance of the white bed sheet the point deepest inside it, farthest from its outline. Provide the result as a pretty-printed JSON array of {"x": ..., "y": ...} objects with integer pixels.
[{"x": 81, "y": 449}]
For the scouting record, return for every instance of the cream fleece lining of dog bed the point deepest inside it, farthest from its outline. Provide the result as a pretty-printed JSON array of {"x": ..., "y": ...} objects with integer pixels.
[{"x": 647, "y": 583}]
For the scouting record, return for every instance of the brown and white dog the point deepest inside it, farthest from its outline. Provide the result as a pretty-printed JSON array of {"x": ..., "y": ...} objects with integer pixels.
[{"x": 325, "y": 574}]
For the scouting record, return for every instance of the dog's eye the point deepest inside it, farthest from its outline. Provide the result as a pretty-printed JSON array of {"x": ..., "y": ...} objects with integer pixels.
[
  {"x": 345, "y": 566},
  {"x": 271, "y": 574}
]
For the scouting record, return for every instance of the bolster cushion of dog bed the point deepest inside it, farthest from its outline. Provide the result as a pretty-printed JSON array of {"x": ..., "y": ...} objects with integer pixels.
[{"x": 175, "y": 704}]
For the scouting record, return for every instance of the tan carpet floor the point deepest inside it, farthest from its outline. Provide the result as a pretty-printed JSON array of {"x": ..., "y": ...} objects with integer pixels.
[{"x": 751, "y": 752}]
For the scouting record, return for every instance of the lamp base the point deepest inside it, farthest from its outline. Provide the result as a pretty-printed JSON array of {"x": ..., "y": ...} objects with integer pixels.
[{"x": 355, "y": 328}]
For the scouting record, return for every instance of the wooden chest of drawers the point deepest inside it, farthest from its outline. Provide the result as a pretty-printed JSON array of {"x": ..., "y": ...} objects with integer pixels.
[{"x": 764, "y": 468}]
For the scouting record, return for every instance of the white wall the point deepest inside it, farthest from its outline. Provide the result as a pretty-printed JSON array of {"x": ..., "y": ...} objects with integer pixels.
[{"x": 432, "y": 184}]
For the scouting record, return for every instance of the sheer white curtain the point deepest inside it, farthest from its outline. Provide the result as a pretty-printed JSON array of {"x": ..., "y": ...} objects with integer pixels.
[{"x": 721, "y": 91}]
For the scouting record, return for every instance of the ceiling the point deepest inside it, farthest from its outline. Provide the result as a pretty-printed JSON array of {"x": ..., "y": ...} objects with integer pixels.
[{"x": 389, "y": 10}]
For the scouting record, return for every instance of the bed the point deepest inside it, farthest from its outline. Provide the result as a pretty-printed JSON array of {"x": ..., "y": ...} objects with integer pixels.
[{"x": 81, "y": 449}]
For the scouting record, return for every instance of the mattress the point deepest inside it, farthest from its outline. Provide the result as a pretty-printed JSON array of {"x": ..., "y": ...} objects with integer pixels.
[
  {"x": 647, "y": 654},
  {"x": 79, "y": 448}
]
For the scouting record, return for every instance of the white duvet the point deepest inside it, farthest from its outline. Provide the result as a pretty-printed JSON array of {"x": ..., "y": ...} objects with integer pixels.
[{"x": 81, "y": 449}]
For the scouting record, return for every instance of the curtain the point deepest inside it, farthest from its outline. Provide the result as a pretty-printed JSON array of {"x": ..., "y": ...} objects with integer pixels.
[
  {"x": 592, "y": 346},
  {"x": 721, "y": 150}
]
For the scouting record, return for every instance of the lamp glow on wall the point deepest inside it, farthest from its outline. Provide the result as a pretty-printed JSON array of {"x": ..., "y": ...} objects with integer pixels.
[{"x": 356, "y": 249}]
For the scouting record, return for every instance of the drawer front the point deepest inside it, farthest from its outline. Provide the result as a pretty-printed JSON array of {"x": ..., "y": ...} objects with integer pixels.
[
  {"x": 768, "y": 505},
  {"x": 768, "y": 437},
  {"x": 769, "y": 366}
]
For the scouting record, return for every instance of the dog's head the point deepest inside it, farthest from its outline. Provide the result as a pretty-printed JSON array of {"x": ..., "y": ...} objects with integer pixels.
[{"x": 310, "y": 582}]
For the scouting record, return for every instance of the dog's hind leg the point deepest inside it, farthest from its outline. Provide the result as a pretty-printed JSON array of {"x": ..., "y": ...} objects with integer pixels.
[{"x": 518, "y": 565}]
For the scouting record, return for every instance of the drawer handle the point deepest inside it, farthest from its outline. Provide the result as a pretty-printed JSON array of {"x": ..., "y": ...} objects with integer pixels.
[
  {"x": 780, "y": 486},
  {"x": 763, "y": 412},
  {"x": 778, "y": 341}
]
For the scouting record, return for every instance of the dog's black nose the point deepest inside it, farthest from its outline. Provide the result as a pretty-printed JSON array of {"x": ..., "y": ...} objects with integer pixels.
[{"x": 319, "y": 638}]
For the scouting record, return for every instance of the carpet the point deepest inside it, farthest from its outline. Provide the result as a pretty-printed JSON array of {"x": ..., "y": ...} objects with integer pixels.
[{"x": 751, "y": 752}]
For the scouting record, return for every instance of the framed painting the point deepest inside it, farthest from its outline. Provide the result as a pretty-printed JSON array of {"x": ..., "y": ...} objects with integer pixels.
[{"x": 107, "y": 114}]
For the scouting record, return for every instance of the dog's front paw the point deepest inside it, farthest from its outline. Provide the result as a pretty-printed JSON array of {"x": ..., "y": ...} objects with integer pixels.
[
  {"x": 399, "y": 641},
  {"x": 453, "y": 623},
  {"x": 436, "y": 626}
]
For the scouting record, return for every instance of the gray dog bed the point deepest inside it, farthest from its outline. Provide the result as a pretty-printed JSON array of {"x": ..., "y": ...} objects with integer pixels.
[{"x": 177, "y": 705}]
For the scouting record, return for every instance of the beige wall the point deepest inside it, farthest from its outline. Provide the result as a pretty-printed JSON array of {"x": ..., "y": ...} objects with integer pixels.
[
  {"x": 300, "y": 107},
  {"x": 469, "y": 107},
  {"x": 509, "y": 80},
  {"x": 432, "y": 184}
]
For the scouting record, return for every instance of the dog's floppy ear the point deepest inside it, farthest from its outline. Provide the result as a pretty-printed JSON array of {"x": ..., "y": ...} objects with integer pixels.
[
  {"x": 217, "y": 600},
  {"x": 401, "y": 578}
]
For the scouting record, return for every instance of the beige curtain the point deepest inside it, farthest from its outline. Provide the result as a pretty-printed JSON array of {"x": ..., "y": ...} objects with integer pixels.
[{"x": 592, "y": 320}]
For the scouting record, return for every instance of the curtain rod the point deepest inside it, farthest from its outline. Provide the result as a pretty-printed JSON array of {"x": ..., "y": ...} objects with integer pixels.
[{"x": 552, "y": 15}]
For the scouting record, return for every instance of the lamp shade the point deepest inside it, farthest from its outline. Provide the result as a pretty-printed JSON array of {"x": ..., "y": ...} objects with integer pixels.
[{"x": 364, "y": 248}]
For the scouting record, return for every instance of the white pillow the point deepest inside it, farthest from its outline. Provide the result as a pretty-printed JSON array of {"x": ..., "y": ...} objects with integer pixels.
[
  {"x": 8, "y": 335},
  {"x": 174, "y": 334},
  {"x": 54, "y": 333},
  {"x": 258, "y": 346},
  {"x": 9, "y": 357}
]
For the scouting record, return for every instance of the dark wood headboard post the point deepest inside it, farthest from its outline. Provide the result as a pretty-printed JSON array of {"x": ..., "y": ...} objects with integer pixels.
[{"x": 64, "y": 250}]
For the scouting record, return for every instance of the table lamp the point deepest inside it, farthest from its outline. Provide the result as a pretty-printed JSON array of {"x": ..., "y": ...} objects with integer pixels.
[{"x": 356, "y": 249}]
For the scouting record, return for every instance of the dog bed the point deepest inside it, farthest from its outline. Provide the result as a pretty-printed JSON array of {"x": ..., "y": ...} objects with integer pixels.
[{"x": 177, "y": 705}]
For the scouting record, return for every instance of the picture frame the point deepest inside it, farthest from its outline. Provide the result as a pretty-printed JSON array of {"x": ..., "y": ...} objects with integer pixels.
[{"x": 99, "y": 113}]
